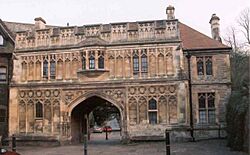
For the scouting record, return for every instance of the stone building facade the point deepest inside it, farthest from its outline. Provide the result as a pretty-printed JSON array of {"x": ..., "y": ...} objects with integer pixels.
[
  {"x": 6, "y": 50},
  {"x": 62, "y": 73}
]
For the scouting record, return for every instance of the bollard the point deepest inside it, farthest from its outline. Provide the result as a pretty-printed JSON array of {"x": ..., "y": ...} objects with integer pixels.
[
  {"x": 106, "y": 133},
  {"x": 167, "y": 142},
  {"x": 13, "y": 143},
  {"x": 85, "y": 145}
]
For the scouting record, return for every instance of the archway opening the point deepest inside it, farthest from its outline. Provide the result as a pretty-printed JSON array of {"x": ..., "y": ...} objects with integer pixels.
[{"x": 92, "y": 117}]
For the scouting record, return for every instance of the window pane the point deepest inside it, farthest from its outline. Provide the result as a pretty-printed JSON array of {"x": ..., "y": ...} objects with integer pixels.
[
  {"x": 136, "y": 64},
  {"x": 200, "y": 68},
  {"x": 39, "y": 110},
  {"x": 209, "y": 66},
  {"x": 211, "y": 116},
  {"x": 202, "y": 116},
  {"x": 144, "y": 63},
  {"x": 101, "y": 62},
  {"x": 202, "y": 100},
  {"x": 92, "y": 62},
  {"x": 152, "y": 117},
  {"x": 45, "y": 68},
  {"x": 3, "y": 70},
  {"x": 52, "y": 69},
  {"x": 152, "y": 104},
  {"x": 3, "y": 73},
  {"x": 210, "y": 100}
]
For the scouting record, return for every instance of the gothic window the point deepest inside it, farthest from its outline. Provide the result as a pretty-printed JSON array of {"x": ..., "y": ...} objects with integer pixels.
[
  {"x": 92, "y": 62},
  {"x": 39, "y": 110},
  {"x": 135, "y": 64},
  {"x": 52, "y": 69},
  {"x": 144, "y": 63},
  {"x": 209, "y": 70},
  {"x": 206, "y": 107},
  {"x": 3, "y": 73},
  {"x": 152, "y": 111},
  {"x": 1, "y": 40},
  {"x": 200, "y": 65},
  {"x": 2, "y": 115},
  {"x": 45, "y": 69},
  {"x": 204, "y": 65},
  {"x": 101, "y": 62}
]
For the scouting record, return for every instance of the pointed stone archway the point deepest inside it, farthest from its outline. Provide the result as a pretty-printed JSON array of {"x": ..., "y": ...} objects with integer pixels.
[{"x": 79, "y": 110}]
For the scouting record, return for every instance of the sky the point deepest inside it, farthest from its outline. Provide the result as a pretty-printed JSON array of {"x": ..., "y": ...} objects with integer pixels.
[{"x": 194, "y": 13}]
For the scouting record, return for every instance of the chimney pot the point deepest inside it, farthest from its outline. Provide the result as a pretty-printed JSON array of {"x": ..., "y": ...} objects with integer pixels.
[{"x": 170, "y": 12}]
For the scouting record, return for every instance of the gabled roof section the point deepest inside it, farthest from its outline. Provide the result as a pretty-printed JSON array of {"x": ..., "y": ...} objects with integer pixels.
[
  {"x": 194, "y": 40},
  {"x": 93, "y": 41},
  {"x": 6, "y": 32}
]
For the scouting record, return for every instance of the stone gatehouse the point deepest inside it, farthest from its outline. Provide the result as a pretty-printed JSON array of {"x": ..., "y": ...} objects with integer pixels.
[{"x": 62, "y": 73}]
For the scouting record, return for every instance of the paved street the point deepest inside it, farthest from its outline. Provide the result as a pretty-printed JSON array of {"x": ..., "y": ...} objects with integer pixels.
[{"x": 99, "y": 146}]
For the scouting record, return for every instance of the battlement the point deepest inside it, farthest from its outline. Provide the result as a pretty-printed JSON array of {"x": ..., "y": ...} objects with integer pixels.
[{"x": 142, "y": 31}]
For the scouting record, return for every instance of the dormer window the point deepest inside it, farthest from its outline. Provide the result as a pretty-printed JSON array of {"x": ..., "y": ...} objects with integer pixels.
[{"x": 1, "y": 40}]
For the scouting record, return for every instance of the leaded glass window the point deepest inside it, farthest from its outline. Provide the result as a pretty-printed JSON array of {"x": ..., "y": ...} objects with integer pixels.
[
  {"x": 207, "y": 108},
  {"x": 52, "y": 69},
  {"x": 209, "y": 65},
  {"x": 101, "y": 62},
  {"x": 91, "y": 62},
  {"x": 39, "y": 110},
  {"x": 45, "y": 69},
  {"x": 152, "y": 111}
]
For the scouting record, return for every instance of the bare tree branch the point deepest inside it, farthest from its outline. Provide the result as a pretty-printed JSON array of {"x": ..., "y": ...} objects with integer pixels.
[{"x": 244, "y": 23}]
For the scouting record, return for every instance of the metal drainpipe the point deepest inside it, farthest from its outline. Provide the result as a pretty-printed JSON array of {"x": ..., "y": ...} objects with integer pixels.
[
  {"x": 190, "y": 97},
  {"x": 9, "y": 75}
]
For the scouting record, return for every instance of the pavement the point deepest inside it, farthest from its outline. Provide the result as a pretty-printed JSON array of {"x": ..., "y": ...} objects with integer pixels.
[{"x": 99, "y": 146}]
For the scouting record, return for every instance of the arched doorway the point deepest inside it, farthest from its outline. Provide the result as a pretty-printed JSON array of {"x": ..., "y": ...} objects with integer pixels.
[{"x": 93, "y": 110}]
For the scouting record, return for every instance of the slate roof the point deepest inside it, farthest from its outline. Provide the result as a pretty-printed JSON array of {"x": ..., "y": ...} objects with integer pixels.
[{"x": 195, "y": 40}]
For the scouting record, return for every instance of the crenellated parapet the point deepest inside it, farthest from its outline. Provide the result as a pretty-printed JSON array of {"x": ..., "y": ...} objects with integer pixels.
[{"x": 114, "y": 33}]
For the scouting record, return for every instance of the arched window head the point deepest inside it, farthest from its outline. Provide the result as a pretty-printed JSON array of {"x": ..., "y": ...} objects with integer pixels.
[
  {"x": 39, "y": 110},
  {"x": 101, "y": 62},
  {"x": 144, "y": 63},
  {"x": 52, "y": 69},
  {"x": 135, "y": 64},
  {"x": 91, "y": 62},
  {"x": 152, "y": 105},
  {"x": 45, "y": 69},
  {"x": 1, "y": 40},
  {"x": 209, "y": 66}
]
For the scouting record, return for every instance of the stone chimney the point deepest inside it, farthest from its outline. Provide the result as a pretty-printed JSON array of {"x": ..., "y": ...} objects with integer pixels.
[
  {"x": 215, "y": 27},
  {"x": 170, "y": 12},
  {"x": 39, "y": 23}
]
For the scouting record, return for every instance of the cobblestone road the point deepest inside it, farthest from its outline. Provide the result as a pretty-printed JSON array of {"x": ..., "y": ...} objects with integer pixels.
[{"x": 99, "y": 146}]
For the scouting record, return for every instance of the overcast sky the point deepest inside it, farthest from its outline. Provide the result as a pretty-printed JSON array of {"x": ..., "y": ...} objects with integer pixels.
[{"x": 195, "y": 13}]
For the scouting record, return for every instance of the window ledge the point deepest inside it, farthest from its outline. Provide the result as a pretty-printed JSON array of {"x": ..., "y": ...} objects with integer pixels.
[{"x": 92, "y": 72}]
